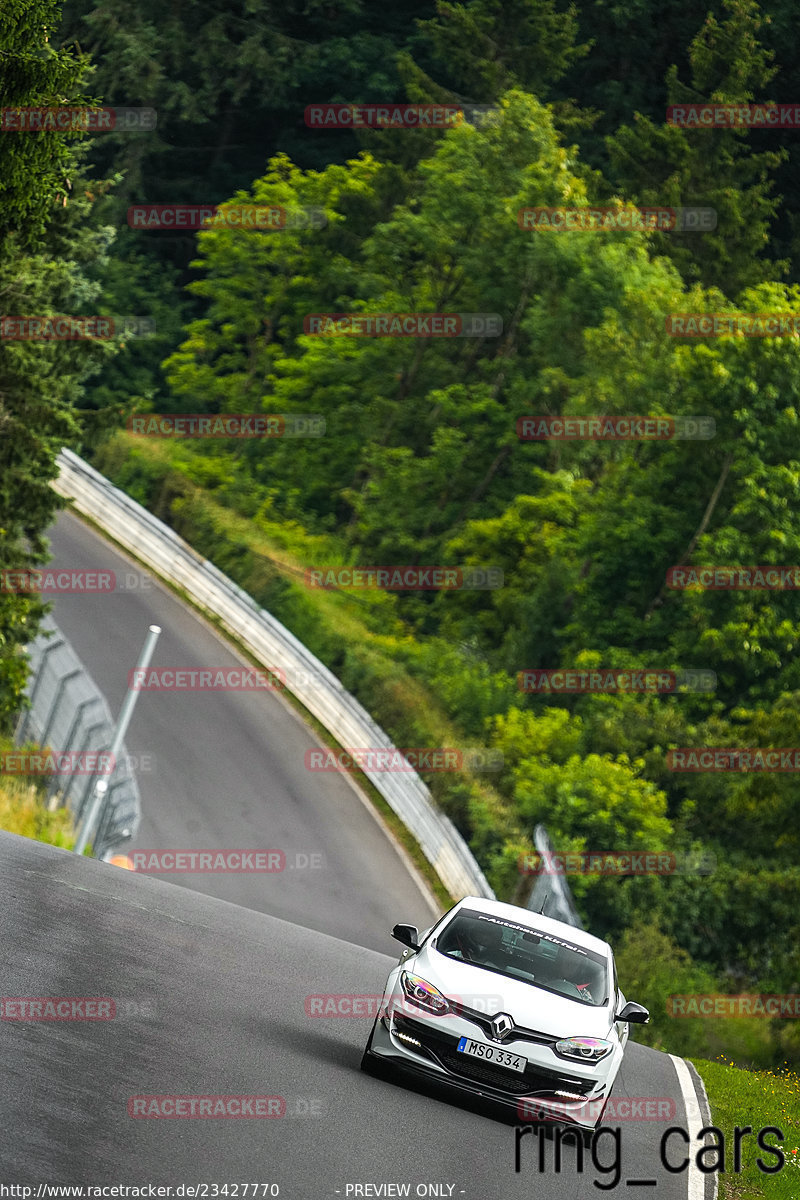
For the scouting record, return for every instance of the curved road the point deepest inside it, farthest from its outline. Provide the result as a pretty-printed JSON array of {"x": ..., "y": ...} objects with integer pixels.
[
  {"x": 210, "y": 995},
  {"x": 210, "y": 1000},
  {"x": 226, "y": 769}
]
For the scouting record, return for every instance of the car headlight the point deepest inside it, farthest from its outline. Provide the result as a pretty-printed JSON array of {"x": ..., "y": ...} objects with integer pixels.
[
  {"x": 586, "y": 1049},
  {"x": 424, "y": 994}
]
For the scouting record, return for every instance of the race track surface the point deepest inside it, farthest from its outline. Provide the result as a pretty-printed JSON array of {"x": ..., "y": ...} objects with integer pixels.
[
  {"x": 227, "y": 769},
  {"x": 210, "y": 1000}
]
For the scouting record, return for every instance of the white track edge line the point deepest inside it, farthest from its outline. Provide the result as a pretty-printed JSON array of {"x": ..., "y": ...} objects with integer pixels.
[{"x": 696, "y": 1179}]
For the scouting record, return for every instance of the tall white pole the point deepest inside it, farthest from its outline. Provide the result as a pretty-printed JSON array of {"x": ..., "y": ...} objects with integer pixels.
[{"x": 126, "y": 712}]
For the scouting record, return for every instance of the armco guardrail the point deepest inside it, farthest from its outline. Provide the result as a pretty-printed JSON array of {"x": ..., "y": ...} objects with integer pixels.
[
  {"x": 272, "y": 645},
  {"x": 551, "y": 889}
]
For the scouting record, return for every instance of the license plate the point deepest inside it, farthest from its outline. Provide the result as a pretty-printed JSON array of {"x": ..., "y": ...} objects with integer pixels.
[{"x": 492, "y": 1054}]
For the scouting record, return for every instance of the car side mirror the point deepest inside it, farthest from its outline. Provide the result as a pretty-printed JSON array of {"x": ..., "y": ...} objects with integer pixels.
[
  {"x": 634, "y": 1014},
  {"x": 408, "y": 935}
]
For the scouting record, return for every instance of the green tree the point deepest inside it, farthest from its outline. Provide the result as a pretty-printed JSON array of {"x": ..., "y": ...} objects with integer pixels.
[
  {"x": 484, "y": 48},
  {"x": 46, "y": 246},
  {"x": 665, "y": 165},
  {"x": 602, "y": 802}
]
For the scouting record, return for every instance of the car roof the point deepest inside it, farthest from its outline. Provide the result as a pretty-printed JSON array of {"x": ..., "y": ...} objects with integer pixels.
[{"x": 524, "y": 916}]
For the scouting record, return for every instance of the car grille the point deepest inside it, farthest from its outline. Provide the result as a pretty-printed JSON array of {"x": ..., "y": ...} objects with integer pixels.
[
  {"x": 471, "y": 1068},
  {"x": 484, "y": 1022},
  {"x": 442, "y": 1047}
]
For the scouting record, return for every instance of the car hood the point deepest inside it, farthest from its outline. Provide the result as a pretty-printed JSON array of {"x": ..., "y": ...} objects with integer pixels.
[{"x": 529, "y": 1006}]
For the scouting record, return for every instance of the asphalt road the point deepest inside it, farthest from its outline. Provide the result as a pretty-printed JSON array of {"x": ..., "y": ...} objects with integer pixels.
[
  {"x": 210, "y": 1001},
  {"x": 226, "y": 769}
]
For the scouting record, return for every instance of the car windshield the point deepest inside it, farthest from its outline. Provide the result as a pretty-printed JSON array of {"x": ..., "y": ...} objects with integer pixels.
[{"x": 528, "y": 954}]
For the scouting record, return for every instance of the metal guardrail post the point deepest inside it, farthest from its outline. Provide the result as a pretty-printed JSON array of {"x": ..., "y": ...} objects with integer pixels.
[
  {"x": 67, "y": 712},
  {"x": 22, "y": 726},
  {"x": 57, "y": 784}
]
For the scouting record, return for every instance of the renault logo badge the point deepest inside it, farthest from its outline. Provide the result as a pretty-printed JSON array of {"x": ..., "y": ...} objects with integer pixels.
[{"x": 501, "y": 1025}]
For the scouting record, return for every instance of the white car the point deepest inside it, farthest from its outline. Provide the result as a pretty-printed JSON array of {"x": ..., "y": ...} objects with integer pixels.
[{"x": 510, "y": 1005}]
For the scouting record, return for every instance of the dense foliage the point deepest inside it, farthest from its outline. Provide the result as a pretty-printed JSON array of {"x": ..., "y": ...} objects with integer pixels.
[
  {"x": 48, "y": 249},
  {"x": 421, "y": 462}
]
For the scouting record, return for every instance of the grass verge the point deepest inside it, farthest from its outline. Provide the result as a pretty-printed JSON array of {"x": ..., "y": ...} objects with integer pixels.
[
  {"x": 24, "y": 811},
  {"x": 755, "y": 1098}
]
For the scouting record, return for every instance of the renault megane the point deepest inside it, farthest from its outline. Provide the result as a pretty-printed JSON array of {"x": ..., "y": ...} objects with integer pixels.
[{"x": 508, "y": 1004}]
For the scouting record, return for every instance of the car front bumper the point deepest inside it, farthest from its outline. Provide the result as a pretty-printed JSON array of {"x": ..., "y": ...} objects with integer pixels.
[{"x": 533, "y": 1095}]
